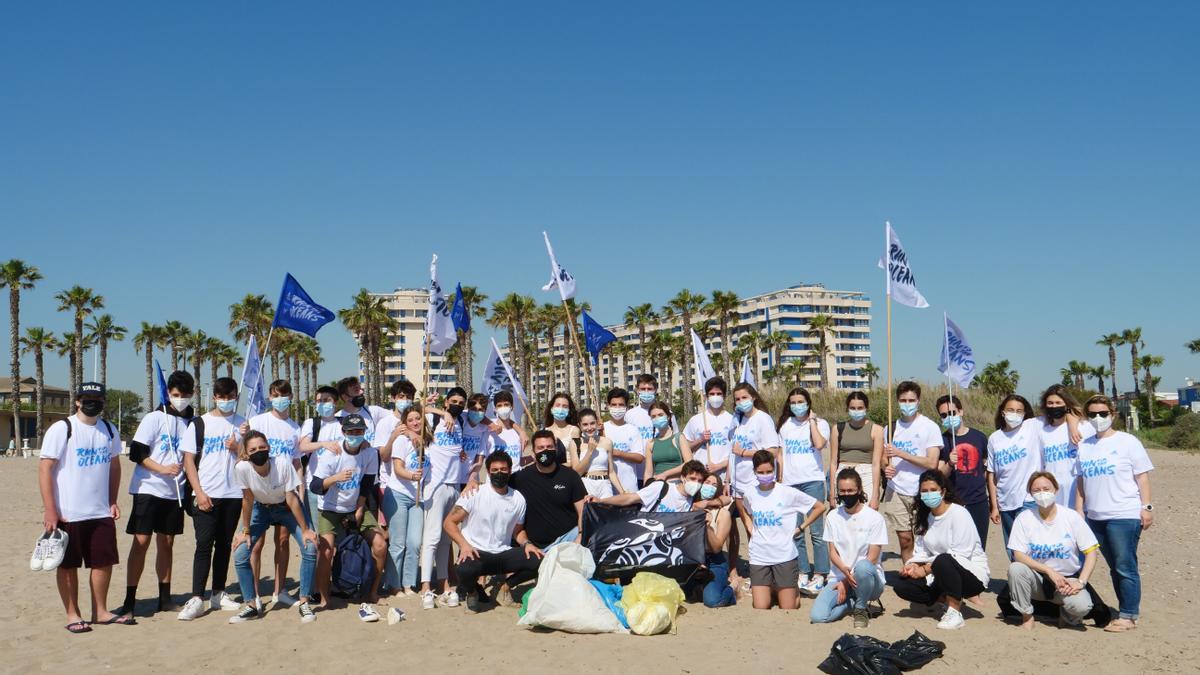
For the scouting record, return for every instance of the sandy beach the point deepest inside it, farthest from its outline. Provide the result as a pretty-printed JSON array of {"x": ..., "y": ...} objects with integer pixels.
[{"x": 708, "y": 641}]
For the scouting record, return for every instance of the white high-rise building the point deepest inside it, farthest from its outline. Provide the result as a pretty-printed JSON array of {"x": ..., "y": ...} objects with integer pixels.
[{"x": 405, "y": 358}]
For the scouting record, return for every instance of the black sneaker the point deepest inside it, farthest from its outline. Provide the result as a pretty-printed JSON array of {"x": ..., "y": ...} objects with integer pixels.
[
  {"x": 247, "y": 613},
  {"x": 306, "y": 613}
]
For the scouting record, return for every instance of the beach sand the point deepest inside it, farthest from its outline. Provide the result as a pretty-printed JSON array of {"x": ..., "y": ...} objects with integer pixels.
[{"x": 708, "y": 641}]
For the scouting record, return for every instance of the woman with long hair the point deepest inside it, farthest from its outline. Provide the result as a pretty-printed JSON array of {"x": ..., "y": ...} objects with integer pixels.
[
  {"x": 1012, "y": 457},
  {"x": 562, "y": 419},
  {"x": 803, "y": 437},
  {"x": 1059, "y": 435},
  {"x": 665, "y": 451},
  {"x": 857, "y": 444},
  {"x": 595, "y": 457}
]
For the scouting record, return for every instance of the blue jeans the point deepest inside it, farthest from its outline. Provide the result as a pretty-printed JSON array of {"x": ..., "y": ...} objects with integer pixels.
[
  {"x": 820, "y": 561},
  {"x": 826, "y": 608},
  {"x": 1007, "y": 518},
  {"x": 1118, "y": 544},
  {"x": 718, "y": 593},
  {"x": 405, "y": 520},
  {"x": 261, "y": 519}
]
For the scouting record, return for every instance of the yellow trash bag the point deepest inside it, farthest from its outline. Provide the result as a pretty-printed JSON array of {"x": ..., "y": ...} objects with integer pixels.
[{"x": 651, "y": 602}]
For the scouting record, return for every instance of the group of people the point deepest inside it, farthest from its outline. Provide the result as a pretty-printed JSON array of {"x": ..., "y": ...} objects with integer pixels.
[{"x": 459, "y": 478}]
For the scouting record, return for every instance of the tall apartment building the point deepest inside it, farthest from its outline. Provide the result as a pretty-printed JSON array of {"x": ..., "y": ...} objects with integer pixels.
[
  {"x": 405, "y": 357},
  {"x": 788, "y": 310}
]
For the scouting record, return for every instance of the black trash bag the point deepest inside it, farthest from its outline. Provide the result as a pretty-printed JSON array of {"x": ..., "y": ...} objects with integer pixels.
[
  {"x": 865, "y": 655},
  {"x": 1100, "y": 615}
]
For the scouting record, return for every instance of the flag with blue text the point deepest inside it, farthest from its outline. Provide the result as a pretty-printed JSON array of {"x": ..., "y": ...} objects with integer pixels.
[
  {"x": 252, "y": 380},
  {"x": 595, "y": 337},
  {"x": 458, "y": 313},
  {"x": 559, "y": 277},
  {"x": 497, "y": 377},
  {"x": 748, "y": 372},
  {"x": 703, "y": 366},
  {"x": 439, "y": 328},
  {"x": 901, "y": 284},
  {"x": 297, "y": 311},
  {"x": 958, "y": 359}
]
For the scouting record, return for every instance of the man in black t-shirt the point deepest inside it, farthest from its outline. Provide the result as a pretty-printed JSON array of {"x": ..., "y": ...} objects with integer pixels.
[
  {"x": 553, "y": 495},
  {"x": 964, "y": 451}
]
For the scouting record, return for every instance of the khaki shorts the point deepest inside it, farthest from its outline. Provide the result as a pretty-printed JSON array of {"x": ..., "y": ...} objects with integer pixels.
[
  {"x": 782, "y": 575},
  {"x": 897, "y": 511},
  {"x": 332, "y": 522}
]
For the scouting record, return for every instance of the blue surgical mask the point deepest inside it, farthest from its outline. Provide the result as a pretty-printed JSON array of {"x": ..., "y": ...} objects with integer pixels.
[
  {"x": 799, "y": 409},
  {"x": 402, "y": 404},
  {"x": 559, "y": 414},
  {"x": 647, "y": 396},
  {"x": 659, "y": 422},
  {"x": 931, "y": 499},
  {"x": 227, "y": 406},
  {"x": 708, "y": 491},
  {"x": 325, "y": 408},
  {"x": 952, "y": 422},
  {"x": 474, "y": 416},
  {"x": 909, "y": 409},
  {"x": 354, "y": 441},
  {"x": 744, "y": 406},
  {"x": 857, "y": 415},
  {"x": 281, "y": 403}
]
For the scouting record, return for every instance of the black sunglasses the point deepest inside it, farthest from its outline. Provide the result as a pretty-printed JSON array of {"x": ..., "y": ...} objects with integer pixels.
[
  {"x": 944, "y": 415},
  {"x": 1098, "y": 413}
]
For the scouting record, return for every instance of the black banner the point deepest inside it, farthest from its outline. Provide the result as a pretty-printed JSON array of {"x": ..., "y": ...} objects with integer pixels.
[{"x": 625, "y": 541}]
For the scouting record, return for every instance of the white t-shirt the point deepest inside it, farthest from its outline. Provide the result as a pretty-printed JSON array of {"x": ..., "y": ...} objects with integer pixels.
[
  {"x": 443, "y": 453},
  {"x": 1058, "y": 456},
  {"x": 717, "y": 449},
  {"x": 640, "y": 418},
  {"x": 331, "y": 430},
  {"x": 81, "y": 467},
  {"x": 384, "y": 427},
  {"x": 801, "y": 462},
  {"x": 283, "y": 435},
  {"x": 163, "y": 434},
  {"x": 599, "y": 461},
  {"x": 756, "y": 432},
  {"x": 509, "y": 441},
  {"x": 272, "y": 488},
  {"x": 774, "y": 514},
  {"x": 404, "y": 450},
  {"x": 913, "y": 438},
  {"x": 342, "y": 497},
  {"x": 852, "y": 534},
  {"x": 492, "y": 518},
  {"x": 673, "y": 501},
  {"x": 1056, "y": 544},
  {"x": 216, "y": 461},
  {"x": 1109, "y": 468},
  {"x": 626, "y": 437},
  {"x": 372, "y": 415},
  {"x": 1012, "y": 457},
  {"x": 477, "y": 440},
  {"x": 953, "y": 532}
]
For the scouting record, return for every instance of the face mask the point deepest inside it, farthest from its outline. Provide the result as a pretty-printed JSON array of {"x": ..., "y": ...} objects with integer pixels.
[
  {"x": 1013, "y": 420},
  {"x": 857, "y": 415},
  {"x": 647, "y": 397},
  {"x": 716, "y": 402},
  {"x": 952, "y": 422},
  {"x": 259, "y": 458},
  {"x": 1056, "y": 412},
  {"x": 545, "y": 457},
  {"x": 456, "y": 410},
  {"x": 617, "y": 413},
  {"x": 499, "y": 479},
  {"x": 475, "y": 416},
  {"x": 504, "y": 413},
  {"x": 227, "y": 406},
  {"x": 281, "y": 403},
  {"x": 354, "y": 441},
  {"x": 358, "y": 401},
  {"x": 1102, "y": 424},
  {"x": 850, "y": 501},
  {"x": 708, "y": 491},
  {"x": 659, "y": 422},
  {"x": 180, "y": 403},
  {"x": 91, "y": 408},
  {"x": 765, "y": 479},
  {"x": 1044, "y": 498},
  {"x": 931, "y": 499},
  {"x": 908, "y": 409},
  {"x": 325, "y": 409},
  {"x": 559, "y": 414},
  {"x": 744, "y": 406},
  {"x": 799, "y": 409},
  {"x": 402, "y": 404}
]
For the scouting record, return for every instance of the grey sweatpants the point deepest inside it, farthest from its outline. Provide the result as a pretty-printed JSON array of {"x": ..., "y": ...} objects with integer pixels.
[{"x": 1025, "y": 586}]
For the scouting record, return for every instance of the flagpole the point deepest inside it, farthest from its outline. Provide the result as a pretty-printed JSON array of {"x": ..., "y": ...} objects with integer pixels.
[
  {"x": 949, "y": 381},
  {"x": 887, "y": 276},
  {"x": 424, "y": 418},
  {"x": 587, "y": 377}
]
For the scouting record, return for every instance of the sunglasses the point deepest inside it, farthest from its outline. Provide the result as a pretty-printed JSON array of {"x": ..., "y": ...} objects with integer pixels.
[
  {"x": 1098, "y": 413},
  {"x": 944, "y": 415}
]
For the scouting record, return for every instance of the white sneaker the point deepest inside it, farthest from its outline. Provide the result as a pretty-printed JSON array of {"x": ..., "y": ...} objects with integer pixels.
[
  {"x": 283, "y": 600},
  {"x": 449, "y": 599},
  {"x": 194, "y": 609},
  {"x": 367, "y": 613},
  {"x": 428, "y": 600},
  {"x": 39, "y": 553},
  {"x": 55, "y": 548},
  {"x": 814, "y": 585},
  {"x": 221, "y": 601},
  {"x": 802, "y": 581},
  {"x": 951, "y": 620}
]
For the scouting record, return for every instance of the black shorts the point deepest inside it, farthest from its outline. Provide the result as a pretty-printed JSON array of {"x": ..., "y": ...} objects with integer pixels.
[
  {"x": 155, "y": 515},
  {"x": 90, "y": 543}
]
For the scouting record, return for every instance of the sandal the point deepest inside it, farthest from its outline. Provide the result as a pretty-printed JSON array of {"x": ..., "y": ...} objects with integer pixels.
[
  {"x": 118, "y": 620},
  {"x": 1120, "y": 626},
  {"x": 79, "y": 627}
]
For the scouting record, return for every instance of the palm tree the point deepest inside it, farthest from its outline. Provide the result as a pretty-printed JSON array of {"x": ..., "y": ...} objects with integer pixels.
[
  {"x": 230, "y": 356},
  {"x": 1194, "y": 346},
  {"x": 473, "y": 303},
  {"x": 1074, "y": 373},
  {"x": 655, "y": 352},
  {"x": 194, "y": 343},
  {"x": 685, "y": 305},
  {"x": 641, "y": 316},
  {"x": 724, "y": 307},
  {"x": 1147, "y": 362},
  {"x": 1100, "y": 372},
  {"x": 149, "y": 337},
  {"x": 39, "y": 340},
  {"x": 82, "y": 302},
  {"x": 315, "y": 359},
  {"x": 821, "y": 325},
  {"x": 17, "y": 276},
  {"x": 870, "y": 371},
  {"x": 750, "y": 344},
  {"x": 369, "y": 321},
  {"x": 103, "y": 329},
  {"x": 550, "y": 317},
  {"x": 505, "y": 314},
  {"x": 66, "y": 348},
  {"x": 1112, "y": 341},
  {"x": 251, "y": 317},
  {"x": 776, "y": 343},
  {"x": 173, "y": 332},
  {"x": 214, "y": 349},
  {"x": 997, "y": 378},
  {"x": 1133, "y": 338},
  {"x": 573, "y": 369}
]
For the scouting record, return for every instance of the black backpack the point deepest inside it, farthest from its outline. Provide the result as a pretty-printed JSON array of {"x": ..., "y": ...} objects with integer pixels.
[
  {"x": 108, "y": 427},
  {"x": 316, "y": 433},
  {"x": 189, "y": 503}
]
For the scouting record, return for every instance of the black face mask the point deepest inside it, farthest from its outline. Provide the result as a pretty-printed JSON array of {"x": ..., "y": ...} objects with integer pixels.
[
  {"x": 499, "y": 480},
  {"x": 850, "y": 501},
  {"x": 91, "y": 408},
  {"x": 1056, "y": 412},
  {"x": 358, "y": 401},
  {"x": 456, "y": 410},
  {"x": 545, "y": 458},
  {"x": 260, "y": 458}
]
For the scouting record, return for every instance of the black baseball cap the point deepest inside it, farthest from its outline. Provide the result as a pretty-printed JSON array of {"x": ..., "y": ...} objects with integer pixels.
[
  {"x": 353, "y": 421},
  {"x": 90, "y": 389}
]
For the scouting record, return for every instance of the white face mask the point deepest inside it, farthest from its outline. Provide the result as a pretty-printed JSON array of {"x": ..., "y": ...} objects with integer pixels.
[
  {"x": 1044, "y": 498},
  {"x": 716, "y": 402},
  {"x": 1102, "y": 424},
  {"x": 179, "y": 403},
  {"x": 504, "y": 413},
  {"x": 691, "y": 487},
  {"x": 1013, "y": 420},
  {"x": 617, "y": 413}
]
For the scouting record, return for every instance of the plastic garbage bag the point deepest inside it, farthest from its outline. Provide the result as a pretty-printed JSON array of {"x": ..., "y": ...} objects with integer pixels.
[
  {"x": 865, "y": 655},
  {"x": 611, "y": 593},
  {"x": 563, "y": 598},
  {"x": 651, "y": 602}
]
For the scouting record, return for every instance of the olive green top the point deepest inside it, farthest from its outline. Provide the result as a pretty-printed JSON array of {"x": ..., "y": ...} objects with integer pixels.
[
  {"x": 665, "y": 455},
  {"x": 855, "y": 445}
]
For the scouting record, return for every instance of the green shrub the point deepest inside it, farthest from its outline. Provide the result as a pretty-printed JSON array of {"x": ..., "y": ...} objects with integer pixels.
[{"x": 1185, "y": 433}]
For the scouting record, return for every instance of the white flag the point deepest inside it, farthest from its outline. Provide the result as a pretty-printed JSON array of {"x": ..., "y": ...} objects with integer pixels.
[
  {"x": 748, "y": 372},
  {"x": 252, "y": 381},
  {"x": 704, "y": 369},
  {"x": 901, "y": 284},
  {"x": 559, "y": 277},
  {"x": 497, "y": 376},
  {"x": 958, "y": 360},
  {"x": 439, "y": 327}
]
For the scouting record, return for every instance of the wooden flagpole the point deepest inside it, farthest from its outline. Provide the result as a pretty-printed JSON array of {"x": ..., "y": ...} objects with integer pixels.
[
  {"x": 587, "y": 376},
  {"x": 424, "y": 422}
]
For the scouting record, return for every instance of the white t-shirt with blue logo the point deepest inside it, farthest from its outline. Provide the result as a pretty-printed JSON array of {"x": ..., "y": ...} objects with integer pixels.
[
  {"x": 717, "y": 449},
  {"x": 1109, "y": 468},
  {"x": 283, "y": 435},
  {"x": 342, "y": 497},
  {"x": 443, "y": 453},
  {"x": 477, "y": 440},
  {"x": 1058, "y": 456},
  {"x": 802, "y": 463},
  {"x": 509, "y": 441},
  {"x": 1012, "y": 457},
  {"x": 756, "y": 432},
  {"x": 331, "y": 430},
  {"x": 404, "y": 451},
  {"x": 673, "y": 501},
  {"x": 626, "y": 437},
  {"x": 163, "y": 434},
  {"x": 372, "y": 415},
  {"x": 81, "y": 467},
  {"x": 1057, "y": 544},
  {"x": 216, "y": 461},
  {"x": 913, "y": 438},
  {"x": 774, "y": 514}
]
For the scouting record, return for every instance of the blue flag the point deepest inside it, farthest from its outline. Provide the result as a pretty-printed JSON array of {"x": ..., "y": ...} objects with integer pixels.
[
  {"x": 298, "y": 312},
  {"x": 162, "y": 385},
  {"x": 458, "y": 313},
  {"x": 252, "y": 381},
  {"x": 958, "y": 360},
  {"x": 595, "y": 337}
]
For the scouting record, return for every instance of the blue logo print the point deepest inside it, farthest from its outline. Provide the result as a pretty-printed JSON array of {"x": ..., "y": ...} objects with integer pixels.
[
  {"x": 279, "y": 447},
  {"x": 1006, "y": 456},
  {"x": 92, "y": 456},
  {"x": 1096, "y": 467},
  {"x": 797, "y": 446},
  {"x": 767, "y": 519},
  {"x": 1051, "y": 551},
  {"x": 352, "y": 483},
  {"x": 1062, "y": 452}
]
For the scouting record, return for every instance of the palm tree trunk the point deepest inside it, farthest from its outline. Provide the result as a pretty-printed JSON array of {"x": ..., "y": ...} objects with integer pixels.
[
  {"x": 1133, "y": 353},
  {"x": 196, "y": 377},
  {"x": 78, "y": 348},
  {"x": 1150, "y": 395},
  {"x": 725, "y": 349},
  {"x": 104, "y": 362},
  {"x": 149, "y": 376},
  {"x": 174, "y": 354},
  {"x": 71, "y": 366},
  {"x": 229, "y": 370},
  {"x": 1112, "y": 367},
  {"x": 213, "y": 371},
  {"x": 14, "y": 312},
  {"x": 686, "y": 358},
  {"x": 38, "y": 359}
]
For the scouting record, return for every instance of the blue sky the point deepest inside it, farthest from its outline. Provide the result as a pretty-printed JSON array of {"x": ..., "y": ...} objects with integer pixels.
[{"x": 1038, "y": 161}]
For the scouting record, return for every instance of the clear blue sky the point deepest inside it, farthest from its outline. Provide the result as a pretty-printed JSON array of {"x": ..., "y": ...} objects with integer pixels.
[{"x": 1039, "y": 161}]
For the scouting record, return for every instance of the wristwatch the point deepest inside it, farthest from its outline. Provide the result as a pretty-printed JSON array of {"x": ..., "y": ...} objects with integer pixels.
[
  {"x": 1148, "y": 507},
  {"x": 246, "y": 531}
]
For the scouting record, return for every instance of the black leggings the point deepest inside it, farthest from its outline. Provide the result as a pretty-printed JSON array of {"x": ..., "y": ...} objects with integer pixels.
[
  {"x": 214, "y": 541},
  {"x": 949, "y": 579},
  {"x": 980, "y": 512},
  {"x": 514, "y": 561}
]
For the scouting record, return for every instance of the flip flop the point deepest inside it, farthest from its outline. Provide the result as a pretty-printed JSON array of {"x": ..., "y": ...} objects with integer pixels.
[
  {"x": 79, "y": 627},
  {"x": 119, "y": 620}
]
